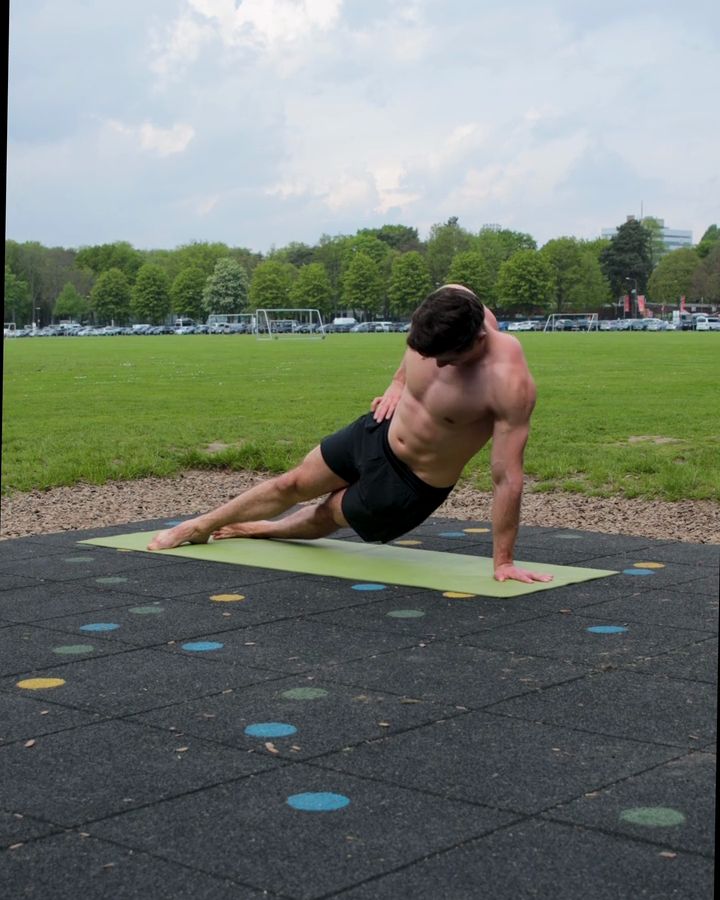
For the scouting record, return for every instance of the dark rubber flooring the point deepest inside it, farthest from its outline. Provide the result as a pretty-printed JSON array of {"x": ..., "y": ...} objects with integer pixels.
[{"x": 177, "y": 729}]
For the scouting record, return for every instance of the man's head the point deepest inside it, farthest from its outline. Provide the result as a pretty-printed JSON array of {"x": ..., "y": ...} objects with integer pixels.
[{"x": 448, "y": 321}]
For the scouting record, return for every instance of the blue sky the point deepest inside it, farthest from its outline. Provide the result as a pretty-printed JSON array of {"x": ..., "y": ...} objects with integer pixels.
[{"x": 260, "y": 122}]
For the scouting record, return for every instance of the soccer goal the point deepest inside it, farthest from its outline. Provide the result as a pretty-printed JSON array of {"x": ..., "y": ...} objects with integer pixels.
[
  {"x": 239, "y": 323},
  {"x": 289, "y": 323},
  {"x": 572, "y": 322}
]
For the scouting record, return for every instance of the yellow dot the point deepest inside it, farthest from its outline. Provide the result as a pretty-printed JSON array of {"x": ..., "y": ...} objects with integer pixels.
[
  {"x": 457, "y": 595},
  {"x": 227, "y": 598},
  {"x": 476, "y": 530},
  {"x": 649, "y": 565},
  {"x": 407, "y": 543},
  {"x": 39, "y": 684}
]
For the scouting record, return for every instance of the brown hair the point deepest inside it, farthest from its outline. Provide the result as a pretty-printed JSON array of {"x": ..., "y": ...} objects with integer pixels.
[{"x": 447, "y": 321}]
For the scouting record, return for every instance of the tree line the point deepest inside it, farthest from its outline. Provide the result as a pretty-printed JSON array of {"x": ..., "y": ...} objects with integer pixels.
[{"x": 376, "y": 272}]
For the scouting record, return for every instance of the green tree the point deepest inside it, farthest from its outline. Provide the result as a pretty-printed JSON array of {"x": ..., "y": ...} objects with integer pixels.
[
  {"x": 580, "y": 285},
  {"x": 409, "y": 283},
  {"x": 102, "y": 257},
  {"x": 70, "y": 304},
  {"x": 186, "y": 293},
  {"x": 17, "y": 306},
  {"x": 627, "y": 261},
  {"x": 331, "y": 253},
  {"x": 473, "y": 270},
  {"x": 150, "y": 295},
  {"x": 445, "y": 241},
  {"x": 706, "y": 278},
  {"x": 707, "y": 241},
  {"x": 110, "y": 297},
  {"x": 312, "y": 289},
  {"x": 367, "y": 243},
  {"x": 526, "y": 283},
  {"x": 657, "y": 241},
  {"x": 270, "y": 284},
  {"x": 362, "y": 285},
  {"x": 295, "y": 253},
  {"x": 672, "y": 278},
  {"x": 226, "y": 290},
  {"x": 398, "y": 237}
]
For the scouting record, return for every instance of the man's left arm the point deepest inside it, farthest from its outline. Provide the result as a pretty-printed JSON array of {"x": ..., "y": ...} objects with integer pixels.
[{"x": 510, "y": 435}]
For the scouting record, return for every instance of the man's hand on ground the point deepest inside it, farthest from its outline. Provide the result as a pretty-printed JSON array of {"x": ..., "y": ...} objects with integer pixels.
[{"x": 510, "y": 572}]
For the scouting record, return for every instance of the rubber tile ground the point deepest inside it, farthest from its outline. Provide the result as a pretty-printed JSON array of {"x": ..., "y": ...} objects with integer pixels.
[{"x": 172, "y": 728}]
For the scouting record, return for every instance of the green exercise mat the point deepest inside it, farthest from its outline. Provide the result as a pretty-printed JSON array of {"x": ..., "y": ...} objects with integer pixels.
[{"x": 377, "y": 563}]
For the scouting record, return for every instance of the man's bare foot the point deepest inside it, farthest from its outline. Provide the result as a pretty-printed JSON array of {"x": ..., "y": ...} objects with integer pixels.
[
  {"x": 185, "y": 533},
  {"x": 241, "y": 530}
]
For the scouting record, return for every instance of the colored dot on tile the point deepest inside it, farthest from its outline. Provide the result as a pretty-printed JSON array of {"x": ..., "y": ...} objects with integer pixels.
[
  {"x": 99, "y": 626},
  {"x": 147, "y": 610},
  {"x": 73, "y": 649},
  {"x": 406, "y": 614},
  {"x": 653, "y": 816},
  {"x": 457, "y": 595},
  {"x": 452, "y": 534},
  {"x": 201, "y": 646},
  {"x": 568, "y": 537},
  {"x": 111, "y": 579},
  {"x": 368, "y": 587},
  {"x": 40, "y": 684},
  {"x": 318, "y": 801},
  {"x": 476, "y": 530},
  {"x": 606, "y": 629},
  {"x": 638, "y": 572},
  {"x": 304, "y": 693},
  {"x": 270, "y": 730},
  {"x": 649, "y": 565},
  {"x": 79, "y": 559},
  {"x": 172, "y": 522},
  {"x": 227, "y": 598},
  {"x": 407, "y": 543}
]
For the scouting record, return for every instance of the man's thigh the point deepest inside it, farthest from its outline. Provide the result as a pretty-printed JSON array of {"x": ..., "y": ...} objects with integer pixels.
[{"x": 314, "y": 477}]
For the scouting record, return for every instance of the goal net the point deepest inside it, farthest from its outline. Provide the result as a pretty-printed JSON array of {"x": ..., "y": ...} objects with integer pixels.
[
  {"x": 572, "y": 322},
  {"x": 289, "y": 323},
  {"x": 238, "y": 323}
]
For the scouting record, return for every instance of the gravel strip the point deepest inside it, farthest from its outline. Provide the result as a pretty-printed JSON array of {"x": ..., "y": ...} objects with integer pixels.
[{"x": 95, "y": 506}]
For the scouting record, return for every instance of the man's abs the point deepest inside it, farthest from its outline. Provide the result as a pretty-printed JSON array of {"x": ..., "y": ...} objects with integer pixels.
[{"x": 435, "y": 449}]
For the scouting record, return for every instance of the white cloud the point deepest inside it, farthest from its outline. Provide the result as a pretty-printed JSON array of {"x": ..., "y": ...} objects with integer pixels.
[{"x": 157, "y": 141}]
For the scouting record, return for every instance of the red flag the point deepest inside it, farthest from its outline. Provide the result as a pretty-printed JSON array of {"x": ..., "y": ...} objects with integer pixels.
[
  {"x": 626, "y": 298},
  {"x": 641, "y": 304},
  {"x": 682, "y": 303}
]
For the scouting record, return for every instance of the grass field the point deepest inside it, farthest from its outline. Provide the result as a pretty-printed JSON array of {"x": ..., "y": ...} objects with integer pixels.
[{"x": 631, "y": 413}]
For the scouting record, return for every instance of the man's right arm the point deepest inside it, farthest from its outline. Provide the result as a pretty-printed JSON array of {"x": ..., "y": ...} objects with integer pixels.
[{"x": 383, "y": 407}]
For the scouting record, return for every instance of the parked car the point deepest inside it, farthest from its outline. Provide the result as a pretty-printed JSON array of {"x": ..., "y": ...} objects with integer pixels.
[
  {"x": 707, "y": 323},
  {"x": 521, "y": 326}
]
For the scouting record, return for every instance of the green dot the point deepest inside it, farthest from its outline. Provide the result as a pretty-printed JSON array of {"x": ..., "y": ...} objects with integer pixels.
[
  {"x": 406, "y": 614},
  {"x": 653, "y": 816},
  {"x": 147, "y": 610},
  {"x": 304, "y": 693},
  {"x": 73, "y": 649}
]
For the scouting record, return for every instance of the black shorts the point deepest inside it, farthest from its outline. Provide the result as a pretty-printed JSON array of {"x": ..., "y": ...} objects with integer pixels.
[{"x": 385, "y": 498}]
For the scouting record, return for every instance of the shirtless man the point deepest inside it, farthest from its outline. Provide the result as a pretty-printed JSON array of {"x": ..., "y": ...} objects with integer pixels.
[{"x": 461, "y": 382}]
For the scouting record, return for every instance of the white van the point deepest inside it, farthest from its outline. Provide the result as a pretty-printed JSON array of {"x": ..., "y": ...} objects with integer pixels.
[
  {"x": 343, "y": 323},
  {"x": 707, "y": 323}
]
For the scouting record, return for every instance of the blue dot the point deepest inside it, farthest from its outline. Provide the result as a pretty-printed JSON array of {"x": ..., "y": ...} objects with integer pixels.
[
  {"x": 607, "y": 629},
  {"x": 270, "y": 730},
  {"x": 368, "y": 587},
  {"x": 172, "y": 522},
  {"x": 99, "y": 626},
  {"x": 318, "y": 802},
  {"x": 200, "y": 646},
  {"x": 453, "y": 534},
  {"x": 640, "y": 572}
]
